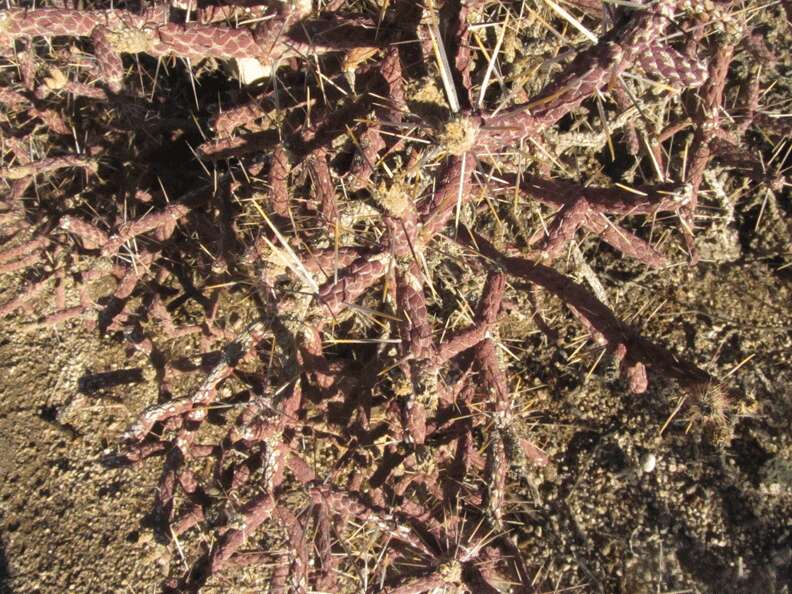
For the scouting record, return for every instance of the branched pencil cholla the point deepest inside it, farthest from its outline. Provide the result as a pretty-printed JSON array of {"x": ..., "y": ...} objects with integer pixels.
[{"x": 323, "y": 236}]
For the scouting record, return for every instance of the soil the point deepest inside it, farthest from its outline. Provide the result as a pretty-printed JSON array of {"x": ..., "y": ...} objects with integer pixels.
[{"x": 68, "y": 523}]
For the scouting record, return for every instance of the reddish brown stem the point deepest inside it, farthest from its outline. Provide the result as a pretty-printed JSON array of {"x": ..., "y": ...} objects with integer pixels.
[{"x": 599, "y": 316}]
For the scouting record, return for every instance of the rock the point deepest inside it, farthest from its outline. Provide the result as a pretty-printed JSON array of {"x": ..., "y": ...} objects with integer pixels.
[{"x": 648, "y": 462}]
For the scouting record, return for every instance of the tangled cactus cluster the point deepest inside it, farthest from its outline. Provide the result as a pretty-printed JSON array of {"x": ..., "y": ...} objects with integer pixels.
[{"x": 338, "y": 234}]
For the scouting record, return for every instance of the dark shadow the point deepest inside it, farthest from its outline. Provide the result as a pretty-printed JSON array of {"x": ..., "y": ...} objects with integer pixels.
[
  {"x": 5, "y": 575},
  {"x": 93, "y": 382}
]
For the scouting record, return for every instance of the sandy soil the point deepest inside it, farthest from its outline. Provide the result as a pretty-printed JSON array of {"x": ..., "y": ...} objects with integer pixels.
[{"x": 68, "y": 523}]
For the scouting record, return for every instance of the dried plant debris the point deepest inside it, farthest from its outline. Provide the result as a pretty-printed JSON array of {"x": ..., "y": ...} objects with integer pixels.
[{"x": 370, "y": 219}]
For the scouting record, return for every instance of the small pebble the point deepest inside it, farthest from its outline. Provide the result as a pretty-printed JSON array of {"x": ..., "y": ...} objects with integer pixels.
[{"x": 648, "y": 462}]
